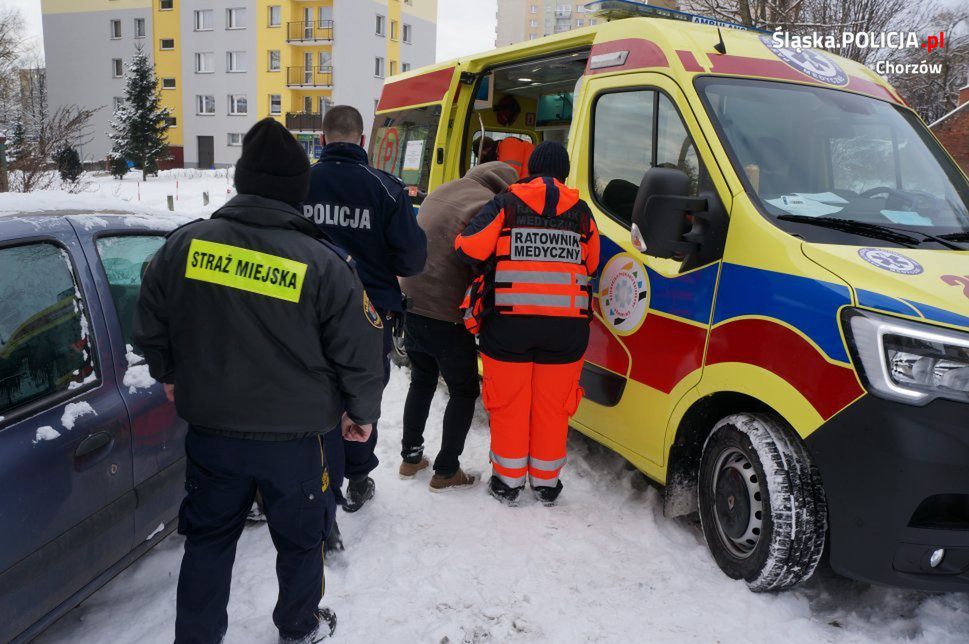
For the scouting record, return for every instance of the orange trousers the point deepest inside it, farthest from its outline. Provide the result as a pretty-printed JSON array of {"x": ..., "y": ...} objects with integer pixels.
[{"x": 530, "y": 405}]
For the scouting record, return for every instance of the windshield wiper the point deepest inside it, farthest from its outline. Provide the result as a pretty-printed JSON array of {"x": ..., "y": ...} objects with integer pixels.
[
  {"x": 856, "y": 228},
  {"x": 956, "y": 237},
  {"x": 942, "y": 240}
]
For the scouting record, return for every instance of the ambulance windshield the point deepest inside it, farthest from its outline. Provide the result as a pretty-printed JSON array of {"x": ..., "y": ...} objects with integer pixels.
[{"x": 817, "y": 152}]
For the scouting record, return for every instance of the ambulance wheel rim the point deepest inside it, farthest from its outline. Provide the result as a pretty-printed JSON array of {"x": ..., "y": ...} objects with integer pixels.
[{"x": 738, "y": 503}]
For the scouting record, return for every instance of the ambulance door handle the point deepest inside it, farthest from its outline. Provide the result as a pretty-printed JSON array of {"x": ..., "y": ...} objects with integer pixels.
[{"x": 440, "y": 156}]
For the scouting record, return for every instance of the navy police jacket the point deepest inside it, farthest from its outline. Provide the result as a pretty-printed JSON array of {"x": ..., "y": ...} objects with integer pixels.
[{"x": 368, "y": 213}]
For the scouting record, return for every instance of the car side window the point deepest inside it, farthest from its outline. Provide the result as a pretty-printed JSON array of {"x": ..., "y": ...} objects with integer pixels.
[
  {"x": 125, "y": 258},
  {"x": 634, "y": 131},
  {"x": 45, "y": 346}
]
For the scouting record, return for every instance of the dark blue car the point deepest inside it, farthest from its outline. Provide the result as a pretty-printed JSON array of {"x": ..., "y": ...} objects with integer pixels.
[{"x": 91, "y": 452}]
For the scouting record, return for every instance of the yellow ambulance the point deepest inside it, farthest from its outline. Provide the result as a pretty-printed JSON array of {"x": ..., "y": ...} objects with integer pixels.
[{"x": 781, "y": 330}]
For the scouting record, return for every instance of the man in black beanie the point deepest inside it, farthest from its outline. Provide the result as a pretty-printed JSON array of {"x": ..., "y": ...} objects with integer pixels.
[{"x": 263, "y": 337}]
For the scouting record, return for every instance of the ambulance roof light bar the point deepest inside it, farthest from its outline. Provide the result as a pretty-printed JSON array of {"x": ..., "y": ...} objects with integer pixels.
[{"x": 619, "y": 9}]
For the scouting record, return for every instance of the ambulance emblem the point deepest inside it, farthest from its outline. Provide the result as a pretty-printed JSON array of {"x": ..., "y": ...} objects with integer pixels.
[
  {"x": 810, "y": 62},
  {"x": 891, "y": 261},
  {"x": 624, "y": 294}
]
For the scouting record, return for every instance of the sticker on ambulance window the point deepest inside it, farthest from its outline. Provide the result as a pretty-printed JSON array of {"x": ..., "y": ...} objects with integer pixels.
[
  {"x": 809, "y": 62},
  {"x": 891, "y": 261},
  {"x": 624, "y": 294},
  {"x": 544, "y": 245}
]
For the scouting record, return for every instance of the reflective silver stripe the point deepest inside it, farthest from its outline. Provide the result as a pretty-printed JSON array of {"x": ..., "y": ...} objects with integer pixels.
[
  {"x": 546, "y": 466},
  {"x": 511, "y": 481},
  {"x": 583, "y": 280},
  {"x": 533, "y": 277},
  {"x": 537, "y": 482},
  {"x": 582, "y": 302},
  {"x": 513, "y": 299},
  {"x": 510, "y": 463}
]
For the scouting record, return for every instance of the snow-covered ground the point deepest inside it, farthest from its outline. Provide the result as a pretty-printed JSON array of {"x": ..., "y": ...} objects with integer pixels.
[
  {"x": 603, "y": 566},
  {"x": 100, "y": 191}
]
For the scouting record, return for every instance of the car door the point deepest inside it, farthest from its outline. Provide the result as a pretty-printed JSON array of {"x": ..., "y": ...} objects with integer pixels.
[
  {"x": 118, "y": 257},
  {"x": 65, "y": 454},
  {"x": 651, "y": 317}
]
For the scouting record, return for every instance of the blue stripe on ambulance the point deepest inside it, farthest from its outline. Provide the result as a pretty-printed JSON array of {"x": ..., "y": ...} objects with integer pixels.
[
  {"x": 942, "y": 316},
  {"x": 872, "y": 300}
]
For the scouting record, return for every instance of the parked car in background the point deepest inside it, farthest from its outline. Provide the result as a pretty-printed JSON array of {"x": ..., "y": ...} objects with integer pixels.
[{"x": 91, "y": 451}]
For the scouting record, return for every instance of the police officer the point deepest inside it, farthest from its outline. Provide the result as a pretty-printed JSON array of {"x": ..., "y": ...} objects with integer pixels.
[
  {"x": 263, "y": 336},
  {"x": 368, "y": 213}
]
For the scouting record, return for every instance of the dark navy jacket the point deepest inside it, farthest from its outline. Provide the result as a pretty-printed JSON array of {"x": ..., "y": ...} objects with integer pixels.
[{"x": 367, "y": 212}]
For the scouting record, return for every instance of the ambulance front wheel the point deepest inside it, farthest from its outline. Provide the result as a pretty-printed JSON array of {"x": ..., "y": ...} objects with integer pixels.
[{"x": 761, "y": 502}]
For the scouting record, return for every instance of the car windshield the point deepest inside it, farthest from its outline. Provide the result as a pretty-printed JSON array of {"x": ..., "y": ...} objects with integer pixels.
[{"x": 817, "y": 152}]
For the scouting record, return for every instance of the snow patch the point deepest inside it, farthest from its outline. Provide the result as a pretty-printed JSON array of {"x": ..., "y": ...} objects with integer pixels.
[
  {"x": 91, "y": 377},
  {"x": 155, "y": 532},
  {"x": 73, "y": 411},
  {"x": 137, "y": 376},
  {"x": 45, "y": 433}
]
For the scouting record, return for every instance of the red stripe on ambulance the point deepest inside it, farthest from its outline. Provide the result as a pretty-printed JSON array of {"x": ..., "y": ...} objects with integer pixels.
[{"x": 426, "y": 88}]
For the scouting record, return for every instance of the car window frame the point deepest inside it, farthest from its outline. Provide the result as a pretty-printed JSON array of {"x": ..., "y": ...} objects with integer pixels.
[
  {"x": 63, "y": 396},
  {"x": 654, "y": 147}
]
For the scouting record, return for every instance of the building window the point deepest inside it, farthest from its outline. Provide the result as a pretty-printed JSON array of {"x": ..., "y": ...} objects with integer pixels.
[
  {"x": 115, "y": 29},
  {"x": 275, "y": 16},
  {"x": 117, "y": 67},
  {"x": 204, "y": 20},
  {"x": 166, "y": 5},
  {"x": 171, "y": 121},
  {"x": 405, "y": 67},
  {"x": 166, "y": 44},
  {"x": 236, "y": 62},
  {"x": 235, "y": 139},
  {"x": 118, "y": 103},
  {"x": 205, "y": 105},
  {"x": 393, "y": 30},
  {"x": 533, "y": 24},
  {"x": 140, "y": 28},
  {"x": 274, "y": 61},
  {"x": 393, "y": 68},
  {"x": 275, "y": 104},
  {"x": 381, "y": 25},
  {"x": 238, "y": 105},
  {"x": 378, "y": 67},
  {"x": 580, "y": 22},
  {"x": 235, "y": 18},
  {"x": 168, "y": 83},
  {"x": 408, "y": 33},
  {"x": 204, "y": 63}
]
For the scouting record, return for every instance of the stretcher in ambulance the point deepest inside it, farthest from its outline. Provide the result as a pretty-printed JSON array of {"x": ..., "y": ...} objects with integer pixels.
[{"x": 781, "y": 329}]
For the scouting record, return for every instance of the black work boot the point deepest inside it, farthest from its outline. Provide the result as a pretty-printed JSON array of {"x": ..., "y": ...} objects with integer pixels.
[
  {"x": 334, "y": 542},
  {"x": 548, "y": 495},
  {"x": 503, "y": 492},
  {"x": 325, "y": 628},
  {"x": 358, "y": 493}
]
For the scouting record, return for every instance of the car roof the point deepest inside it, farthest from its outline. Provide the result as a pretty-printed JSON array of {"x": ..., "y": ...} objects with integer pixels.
[{"x": 14, "y": 225}]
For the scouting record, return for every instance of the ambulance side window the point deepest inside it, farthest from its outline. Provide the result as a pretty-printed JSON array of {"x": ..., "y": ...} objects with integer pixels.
[{"x": 632, "y": 132}]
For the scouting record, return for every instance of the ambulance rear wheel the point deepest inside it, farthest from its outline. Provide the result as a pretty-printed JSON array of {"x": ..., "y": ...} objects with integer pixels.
[{"x": 761, "y": 502}]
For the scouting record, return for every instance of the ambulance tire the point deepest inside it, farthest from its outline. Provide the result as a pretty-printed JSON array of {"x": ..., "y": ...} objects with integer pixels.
[{"x": 762, "y": 505}]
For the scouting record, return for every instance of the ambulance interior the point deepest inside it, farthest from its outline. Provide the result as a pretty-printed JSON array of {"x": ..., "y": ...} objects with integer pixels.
[{"x": 518, "y": 106}]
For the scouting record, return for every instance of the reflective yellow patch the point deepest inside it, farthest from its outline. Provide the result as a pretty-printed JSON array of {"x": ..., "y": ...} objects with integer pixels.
[
  {"x": 325, "y": 484},
  {"x": 246, "y": 270}
]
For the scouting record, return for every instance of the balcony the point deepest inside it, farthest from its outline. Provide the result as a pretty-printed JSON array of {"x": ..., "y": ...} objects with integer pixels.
[
  {"x": 314, "y": 32},
  {"x": 309, "y": 77},
  {"x": 304, "y": 121},
  {"x": 563, "y": 12}
]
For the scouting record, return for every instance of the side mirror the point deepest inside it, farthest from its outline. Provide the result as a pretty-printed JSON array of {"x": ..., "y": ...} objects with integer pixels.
[{"x": 667, "y": 223}]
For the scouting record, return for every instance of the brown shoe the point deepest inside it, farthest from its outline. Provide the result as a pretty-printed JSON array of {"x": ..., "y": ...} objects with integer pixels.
[
  {"x": 458, "y": 481},
  {"x": 410, "y": 470}
]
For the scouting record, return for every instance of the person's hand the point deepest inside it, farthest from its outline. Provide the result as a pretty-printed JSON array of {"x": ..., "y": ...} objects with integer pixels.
[
  {"x": 354, "y": 432},
  {"x": 170, "y": 392}
]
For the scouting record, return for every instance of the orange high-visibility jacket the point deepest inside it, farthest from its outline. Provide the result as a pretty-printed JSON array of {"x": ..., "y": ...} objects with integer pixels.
[
  {"x": 516, "y": 153},
  {"x": 538, "y": 247}
]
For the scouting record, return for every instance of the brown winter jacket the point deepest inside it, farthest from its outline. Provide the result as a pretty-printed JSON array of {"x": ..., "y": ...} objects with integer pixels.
[{"x": 438, "y": 291}]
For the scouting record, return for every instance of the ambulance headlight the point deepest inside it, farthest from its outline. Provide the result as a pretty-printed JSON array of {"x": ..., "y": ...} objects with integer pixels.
[{"x": 908, "y": 361}]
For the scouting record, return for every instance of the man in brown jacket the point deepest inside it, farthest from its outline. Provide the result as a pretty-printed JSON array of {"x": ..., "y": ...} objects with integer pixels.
[{"x": 436, "y": 341}]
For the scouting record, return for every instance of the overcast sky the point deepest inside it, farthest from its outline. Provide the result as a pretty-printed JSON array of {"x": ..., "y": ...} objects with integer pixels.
[{"x": 464, "y": 26}]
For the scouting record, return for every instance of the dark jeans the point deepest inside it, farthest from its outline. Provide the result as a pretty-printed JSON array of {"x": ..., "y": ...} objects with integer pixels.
[
  {"x": 222, "y": 477},
  {"x": 349, "y": 459},
  {"x": 438, "y": 348}
]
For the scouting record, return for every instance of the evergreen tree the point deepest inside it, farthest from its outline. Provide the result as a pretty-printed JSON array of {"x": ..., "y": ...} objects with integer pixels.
[
  {"x": 140, "y": 123},
  {"x": 18, "y": 140},
  {"x": 69, "y": 165}
]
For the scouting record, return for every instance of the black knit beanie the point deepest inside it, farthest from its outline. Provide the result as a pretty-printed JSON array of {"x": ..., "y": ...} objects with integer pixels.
[
  {"x": 273, "y": 164},
  {"x": 549, "y": 159}
]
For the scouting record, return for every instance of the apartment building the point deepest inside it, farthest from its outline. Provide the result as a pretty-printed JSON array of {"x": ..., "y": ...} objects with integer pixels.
[
  {"x": 223, "y": 65},
  {"x": 520, "y": 20}
]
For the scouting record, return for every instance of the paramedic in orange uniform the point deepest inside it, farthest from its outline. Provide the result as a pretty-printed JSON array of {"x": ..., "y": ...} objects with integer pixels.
[{"x": 537, "y": 247}]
